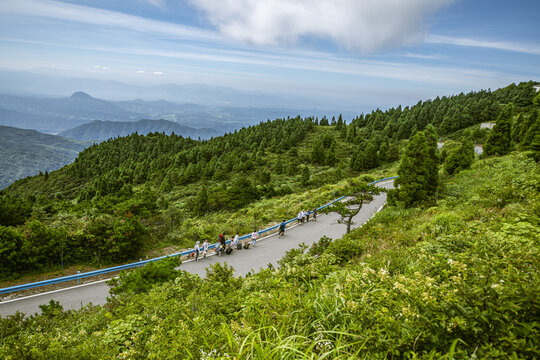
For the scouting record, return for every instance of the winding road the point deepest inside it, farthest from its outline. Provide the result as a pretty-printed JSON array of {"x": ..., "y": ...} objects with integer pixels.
[{"x": 267, "y": 251}]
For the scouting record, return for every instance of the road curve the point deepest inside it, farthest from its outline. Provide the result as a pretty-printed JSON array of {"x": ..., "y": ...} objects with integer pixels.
[{"x": 267, "y": 251}]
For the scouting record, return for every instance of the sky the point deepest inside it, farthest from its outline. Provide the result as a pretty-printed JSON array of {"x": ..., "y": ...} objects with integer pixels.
[{"x": 377, "y": 53}]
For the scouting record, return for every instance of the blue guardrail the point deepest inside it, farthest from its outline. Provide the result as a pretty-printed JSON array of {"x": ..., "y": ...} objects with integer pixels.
[{"x": 143, "y": 262}]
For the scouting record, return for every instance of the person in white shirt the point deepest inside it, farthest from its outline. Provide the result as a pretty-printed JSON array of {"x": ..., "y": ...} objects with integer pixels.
[
  {"x": 254, "y": 236},
  {"x": 197, "y": 250},
  {"x": 205, "y": 247},
  {"x": 299, "y": 217}
]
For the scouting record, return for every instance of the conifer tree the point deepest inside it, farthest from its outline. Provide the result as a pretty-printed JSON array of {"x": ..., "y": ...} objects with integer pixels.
[
  {"x": 305, "y": 175},
  {"x": 532, "y": 130},
  {"x": 459, "y": 159},
  {"x": 371, "y": 158},
  {"x": 413, "y": 172},
  {"x": 499, "y": 141},
  {"x": 200, "y": 204},
  {"x": 317, "y": 153},
  {"x": 357, "y": 194},
  {"x": 432, "y": 161},
  {"x": 339, "y": 122},
  {"x": 331, "y": 155}
]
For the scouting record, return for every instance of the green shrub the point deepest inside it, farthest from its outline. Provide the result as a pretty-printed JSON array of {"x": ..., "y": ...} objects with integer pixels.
[
  {"x": 142, "y": 279},
  {"x": 346, "y": 248}
]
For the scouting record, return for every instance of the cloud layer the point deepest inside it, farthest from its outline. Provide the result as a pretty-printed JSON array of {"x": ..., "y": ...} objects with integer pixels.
[{"x": 364, "y": 25}]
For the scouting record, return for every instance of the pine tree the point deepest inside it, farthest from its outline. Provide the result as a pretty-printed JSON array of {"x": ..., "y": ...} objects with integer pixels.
[
  {"x": 357, "y": 194},
  {"x": 499, "y": 141},
  {"x": 459, "y": 159},
  {"x": 331, "y": 155},
  {"x": 305, "y": 175},
  {"x": 339, "y": 122},
  {"x": 200, "y": 204},
  {"x": 531, "y": 131},
  {"x": 432, "y": 162},
  {"x": 371, "y": 158},
  {"x": 317, "y": 153},
  {"x": 413, "y": 172}
]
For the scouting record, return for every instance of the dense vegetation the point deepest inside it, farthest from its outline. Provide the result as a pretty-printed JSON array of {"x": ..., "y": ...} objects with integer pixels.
[
  {"x": 126, "y": 197},
  {"x": 458, "y": 280},
  {"x": 27, "y": 152}
]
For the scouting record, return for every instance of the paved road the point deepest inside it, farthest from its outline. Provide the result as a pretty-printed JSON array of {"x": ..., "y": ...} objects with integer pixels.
[{"x": 267, "y": 250}]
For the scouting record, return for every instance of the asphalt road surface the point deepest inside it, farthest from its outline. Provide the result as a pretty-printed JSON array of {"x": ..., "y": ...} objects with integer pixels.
[{"x": 267, "y": 251}]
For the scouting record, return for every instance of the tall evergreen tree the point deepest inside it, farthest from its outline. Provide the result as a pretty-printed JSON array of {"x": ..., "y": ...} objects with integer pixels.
[
  {"x": 499, "y": 141},
  {"x": 317, "y": 153},
  {"x": 413, "y": 172},
  {"x": 460, "y": 158},
  {"x": 432, "y": 161},
  {"x": 331, "y": 155},
  {"x": 305, "y": 175}
]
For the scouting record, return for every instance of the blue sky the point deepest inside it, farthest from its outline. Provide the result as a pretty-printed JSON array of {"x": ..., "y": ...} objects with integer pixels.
[{"x": 372, "y": 53}]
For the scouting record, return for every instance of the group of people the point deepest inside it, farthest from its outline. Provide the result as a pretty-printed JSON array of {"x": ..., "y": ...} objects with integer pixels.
[
  {"x": 304, "y": 216},
  {"x": 235, "y": 240},
  {"x": 198, "y": 249},
  {"x": 223, "y": 247}
]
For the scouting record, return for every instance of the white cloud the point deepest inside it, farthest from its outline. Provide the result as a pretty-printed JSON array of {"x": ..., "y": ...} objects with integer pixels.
[
  {"x": 497, "y": 45},
  {"x": 104, "y": 68},
  {"x": 158, "y": 73},
  {"x": 157, "y": 3},
  {"x": 84, "y": 14},
  {"x": 423, "y": 57},
  {"x": 366, "y": 25},
  {"x": 140, "y": 72}
]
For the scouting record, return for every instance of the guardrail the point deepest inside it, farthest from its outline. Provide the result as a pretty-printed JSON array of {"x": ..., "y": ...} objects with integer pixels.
[{"x": 143, "y": 262}]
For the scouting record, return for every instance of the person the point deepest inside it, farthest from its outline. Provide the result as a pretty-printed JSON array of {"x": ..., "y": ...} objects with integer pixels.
[
  {"x": 299, "y": 217},
  {"x": 304, "y": 215},
  {"x": 222, "y": 240},
  {"x": 197, "y": 250},
  {"x": 315, "y": 214},
  {"x": 282, "y": 228},
  {"x": 236, "y": 237},
  {"x": 222, "y": 244},
  {"x": 205, "y": 247},
  {"x": 254, "y": 236},
  {"x": 307, "y": 216}
]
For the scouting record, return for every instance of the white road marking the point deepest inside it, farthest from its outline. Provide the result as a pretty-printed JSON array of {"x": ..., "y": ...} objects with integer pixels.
[{"x": 54, "y": 291}]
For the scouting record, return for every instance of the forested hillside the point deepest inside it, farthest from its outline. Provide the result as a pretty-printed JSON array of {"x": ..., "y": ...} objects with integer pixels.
[
  {"x": 132, "y": 196},
  {"x": 456, "y": 280},
  {"x": 103, "y": 130},
  {"x": 27, "y": 152}
]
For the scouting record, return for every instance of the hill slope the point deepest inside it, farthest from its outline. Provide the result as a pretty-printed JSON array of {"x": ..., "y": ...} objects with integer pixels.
[
  {"x": 28, "y": 152},
  {"x": 167, "y": 191},
  {"x": 57, "y": 114},
  {"x": 103, "y": 130},
  {"x": 457, "y": 280}
]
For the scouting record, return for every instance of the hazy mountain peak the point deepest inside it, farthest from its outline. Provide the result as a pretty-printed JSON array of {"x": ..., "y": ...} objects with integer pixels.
[{"x": 81, "y": 95}]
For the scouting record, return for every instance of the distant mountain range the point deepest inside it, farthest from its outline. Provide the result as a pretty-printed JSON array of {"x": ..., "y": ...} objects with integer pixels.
[
  {"x": 27, "y": 152},
  {"x": 103, "y": 130},
  {"x": 54, "y": 115},
  {"x": 60, "y": 84}
]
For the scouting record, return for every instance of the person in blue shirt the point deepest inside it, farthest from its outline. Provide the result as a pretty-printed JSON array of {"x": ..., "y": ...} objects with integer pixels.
[{"x": 282, "y": 228}]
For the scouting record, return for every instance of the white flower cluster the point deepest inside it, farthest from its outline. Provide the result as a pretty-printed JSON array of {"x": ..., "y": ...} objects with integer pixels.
[
  {"x": 208, "y": 355},
  {"x": 322, "y": 344}
]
